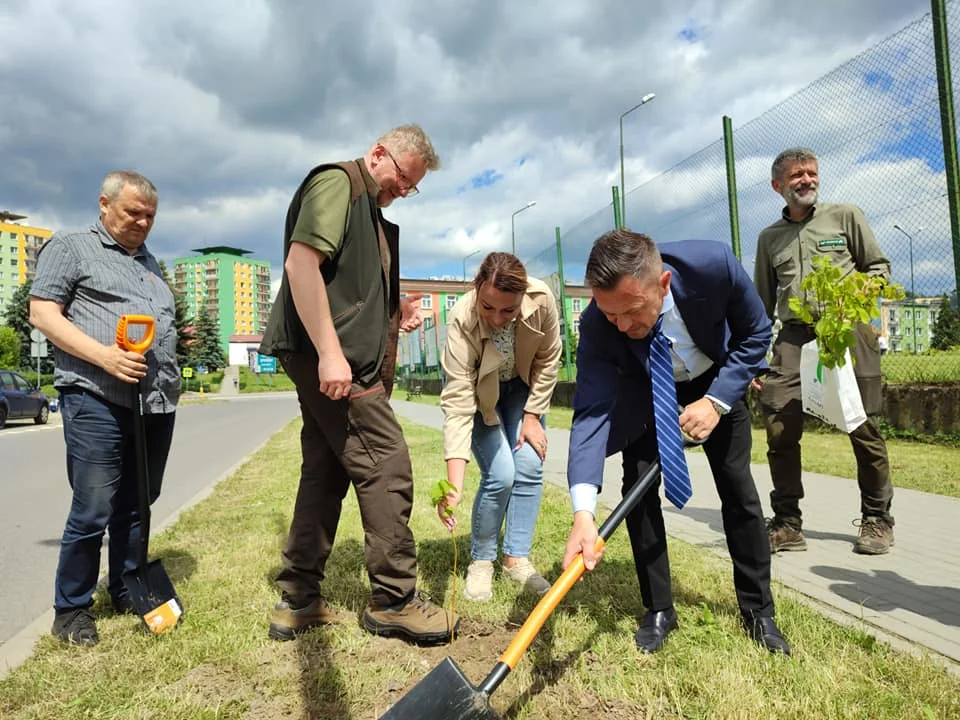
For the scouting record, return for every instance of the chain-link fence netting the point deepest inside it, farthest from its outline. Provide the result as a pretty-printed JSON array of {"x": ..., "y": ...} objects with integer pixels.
[
  {"x": 687, "y": 201},
  {"x": 576, "y": 243},
  {"x": 875, "y": 124}
]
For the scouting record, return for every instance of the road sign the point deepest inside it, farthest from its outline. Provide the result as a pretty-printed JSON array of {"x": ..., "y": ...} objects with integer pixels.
[
  {"x": 201, "y": 369},
  {"x": 266, "y": 364},
  {"x": 36, "y": 336},
  {"x": 187, "y": 372},
  {"x": 38, "y": 349}
]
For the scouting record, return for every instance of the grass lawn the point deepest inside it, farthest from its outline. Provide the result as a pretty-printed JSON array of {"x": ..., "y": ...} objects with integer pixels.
[
  {"x": 903, "y": 367},
  {"x": 223, "y": 554}
]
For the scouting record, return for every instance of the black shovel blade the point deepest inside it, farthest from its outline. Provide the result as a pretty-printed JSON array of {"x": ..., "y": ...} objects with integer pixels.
[
  {"x": 444, "y": 694},
  {"x": 153, "y": 597}
]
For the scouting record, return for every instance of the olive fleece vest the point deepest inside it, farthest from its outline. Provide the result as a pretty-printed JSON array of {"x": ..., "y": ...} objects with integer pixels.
[{"x": 363, "y": 285}]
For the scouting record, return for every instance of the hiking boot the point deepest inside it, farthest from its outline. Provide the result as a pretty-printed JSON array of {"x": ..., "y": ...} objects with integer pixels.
[
  {"x": 785, "y": 535},
  {"x": 288, "y": 621},
  {"x": 524, "y": 573},
  {"x": 419, "y": 620},
  {"x": 479, "y": 587},
  {"x": 876, "y": 536},
  {"x": 75, "y": 626}
]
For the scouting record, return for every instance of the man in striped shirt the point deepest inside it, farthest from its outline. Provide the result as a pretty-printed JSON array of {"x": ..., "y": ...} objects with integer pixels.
[{"x": 85, "y": 281}]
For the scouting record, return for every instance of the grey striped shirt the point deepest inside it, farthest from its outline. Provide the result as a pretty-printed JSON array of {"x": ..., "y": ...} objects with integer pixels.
[{"x": 97, "y": 281}]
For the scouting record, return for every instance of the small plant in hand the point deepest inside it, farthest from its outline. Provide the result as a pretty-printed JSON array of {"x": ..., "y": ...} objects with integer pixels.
[
  {"x": 838, "y": 305},
  {"x": 438, "y": 492}
]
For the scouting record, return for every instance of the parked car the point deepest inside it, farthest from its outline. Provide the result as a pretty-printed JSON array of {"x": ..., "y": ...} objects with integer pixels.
[{"x": 19, "y": 399}]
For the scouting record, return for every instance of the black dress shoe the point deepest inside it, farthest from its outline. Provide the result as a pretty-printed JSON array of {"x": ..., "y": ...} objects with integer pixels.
[
  {"x": 654, "y": 630},
  {"x": 765, "y": 633}
]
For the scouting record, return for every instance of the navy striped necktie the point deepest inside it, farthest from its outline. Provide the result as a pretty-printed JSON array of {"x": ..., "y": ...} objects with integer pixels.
[{"x": 673, "y": 463}]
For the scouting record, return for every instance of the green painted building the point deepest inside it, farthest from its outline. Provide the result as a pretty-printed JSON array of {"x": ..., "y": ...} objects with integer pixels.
[
  {"x": 908, "y": 324},
  {"x": 234, "y": 289}
]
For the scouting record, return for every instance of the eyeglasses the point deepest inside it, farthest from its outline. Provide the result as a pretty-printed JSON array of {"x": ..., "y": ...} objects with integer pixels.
[{"x": 410, "y": 187}]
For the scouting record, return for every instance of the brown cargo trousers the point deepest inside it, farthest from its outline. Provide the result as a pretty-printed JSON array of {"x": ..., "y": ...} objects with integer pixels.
[
  {"x": 354, "y": 441},
  {"x": 783, "y": 417}
]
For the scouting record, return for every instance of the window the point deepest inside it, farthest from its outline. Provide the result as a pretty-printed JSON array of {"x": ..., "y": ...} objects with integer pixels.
[
  {"x": 21, "y": 384},
  {"x": 576, "y": 327},
  {"x": 451, "y": 301},
  {"x": 13, "y": 236},
  {"x": 907, "y": 314},
  {"x": 13, "y": 263},
  {"x": 893, "y": 316},
  {"x": 426, "y": 302},
  {"x": 576, "y": 304}
]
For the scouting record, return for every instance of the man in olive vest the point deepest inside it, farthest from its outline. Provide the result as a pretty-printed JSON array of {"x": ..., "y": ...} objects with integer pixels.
[{"x": 334, "y": 328}]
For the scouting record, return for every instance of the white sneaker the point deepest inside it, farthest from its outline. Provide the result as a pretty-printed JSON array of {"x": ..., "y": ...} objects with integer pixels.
[
  {"x": 479, "y": 587},
  {"x": 524, "y": 573}
]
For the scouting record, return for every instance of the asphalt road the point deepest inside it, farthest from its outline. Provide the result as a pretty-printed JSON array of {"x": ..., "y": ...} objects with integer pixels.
[{"x": 210, "y": 440}]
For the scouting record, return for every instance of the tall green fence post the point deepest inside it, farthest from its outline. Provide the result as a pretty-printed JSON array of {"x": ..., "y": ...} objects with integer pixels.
[
  {"x": 948, "y": 126},
  {"x": 732, "y": 186},
  {"x": 567, "y": 329}
]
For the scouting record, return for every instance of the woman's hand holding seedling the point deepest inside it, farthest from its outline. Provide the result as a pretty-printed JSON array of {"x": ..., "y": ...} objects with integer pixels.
[{"x": 445, "y": 497}]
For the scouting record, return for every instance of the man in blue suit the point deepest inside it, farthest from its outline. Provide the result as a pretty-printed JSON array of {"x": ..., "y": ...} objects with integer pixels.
[{"x": 719, "y": 334}]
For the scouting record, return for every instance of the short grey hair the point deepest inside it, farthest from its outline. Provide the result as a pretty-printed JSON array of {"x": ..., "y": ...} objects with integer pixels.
[
  {"x": 117, "y": 180},
  {"x": 621, "y": 253},
  {"x": 794, "y": 154},
  {"x": 411, "y": 139}
]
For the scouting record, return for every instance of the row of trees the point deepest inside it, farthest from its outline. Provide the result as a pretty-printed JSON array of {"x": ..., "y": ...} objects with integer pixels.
[{"x": 198, "y": 338}]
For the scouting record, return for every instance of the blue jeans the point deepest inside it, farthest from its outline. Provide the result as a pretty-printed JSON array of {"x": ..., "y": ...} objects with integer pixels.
[
  {"x": 511, "y": 483},
  {"x": 102, "y": 470}
]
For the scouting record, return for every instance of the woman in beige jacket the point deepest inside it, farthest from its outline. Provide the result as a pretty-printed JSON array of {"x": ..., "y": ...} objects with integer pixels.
[{"x": 501, "y": 359}]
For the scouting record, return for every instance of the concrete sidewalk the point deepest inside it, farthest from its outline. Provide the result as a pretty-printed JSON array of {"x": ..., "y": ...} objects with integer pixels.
[{"x": 909, "y": 598}]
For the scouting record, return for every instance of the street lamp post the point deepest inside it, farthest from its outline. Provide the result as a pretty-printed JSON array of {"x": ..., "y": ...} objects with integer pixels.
[
  {"x": 913, "y": 294},
  {"x": 513, "y": 234},
  {"x": 623, "y": 195},
  {"x": 465, "y": 263}
]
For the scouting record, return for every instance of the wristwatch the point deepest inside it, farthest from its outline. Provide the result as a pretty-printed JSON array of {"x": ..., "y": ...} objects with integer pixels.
[{"x": 721, "y": 410}]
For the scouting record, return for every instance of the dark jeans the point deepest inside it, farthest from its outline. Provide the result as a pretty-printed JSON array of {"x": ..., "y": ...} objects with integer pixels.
[
  {"x": 355, "y": 441},
  {"x": 728, "y": 452},
  {"x": 102, "y": 470},
  {"x": 783, "y": 417}
]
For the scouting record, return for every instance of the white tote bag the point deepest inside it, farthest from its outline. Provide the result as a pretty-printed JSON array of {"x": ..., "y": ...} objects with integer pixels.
[{"x": 830, "y": 394}]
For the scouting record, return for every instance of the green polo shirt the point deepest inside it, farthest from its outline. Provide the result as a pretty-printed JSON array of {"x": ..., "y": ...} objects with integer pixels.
[
  {"x": 786, "y": 249},
  {"x": 324, "y": 212}
]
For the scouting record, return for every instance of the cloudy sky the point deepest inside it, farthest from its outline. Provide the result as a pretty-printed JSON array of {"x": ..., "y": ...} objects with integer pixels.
[{"x": 226, "y": 105}]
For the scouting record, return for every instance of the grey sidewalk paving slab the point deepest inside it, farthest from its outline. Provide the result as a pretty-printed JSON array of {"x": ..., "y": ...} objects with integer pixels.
[{"x": 909, "y": 597}]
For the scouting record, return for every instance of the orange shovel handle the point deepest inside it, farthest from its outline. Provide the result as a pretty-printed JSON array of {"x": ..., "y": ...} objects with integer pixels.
[
  {"x": 548, "y": 603},
  {"x": 123, "y": 327}
]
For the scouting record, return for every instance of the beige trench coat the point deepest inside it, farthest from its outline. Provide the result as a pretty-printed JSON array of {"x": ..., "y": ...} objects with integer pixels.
[{"x": 471, "y": 362}]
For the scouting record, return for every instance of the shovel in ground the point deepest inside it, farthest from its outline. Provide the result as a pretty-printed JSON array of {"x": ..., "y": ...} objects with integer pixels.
[
  {"x": 446, "y": 694},
  {"x": 150, "y": 588}
]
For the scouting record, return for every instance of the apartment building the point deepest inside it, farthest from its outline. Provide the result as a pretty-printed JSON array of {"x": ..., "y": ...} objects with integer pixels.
[
  {"x": 233, "y": 288},
  {"x": 19, "y": 245}
]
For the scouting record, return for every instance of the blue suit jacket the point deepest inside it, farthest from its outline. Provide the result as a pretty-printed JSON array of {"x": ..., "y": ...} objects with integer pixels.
[{"x": 725, "y": 317}]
